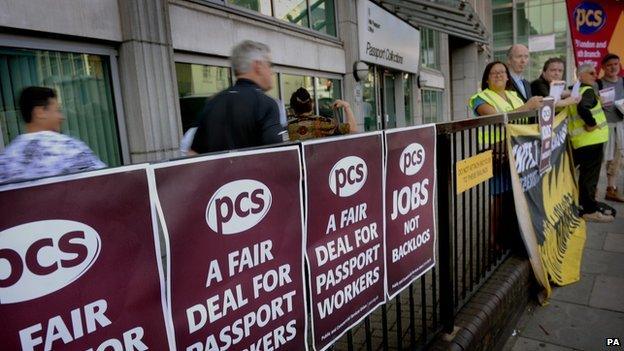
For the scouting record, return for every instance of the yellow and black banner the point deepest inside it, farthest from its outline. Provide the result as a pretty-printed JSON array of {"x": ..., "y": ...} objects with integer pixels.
[{"x": 547, "y": 205}]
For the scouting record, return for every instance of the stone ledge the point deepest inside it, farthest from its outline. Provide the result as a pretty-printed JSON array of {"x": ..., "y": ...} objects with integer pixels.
[{"x": 481, "y": 323}]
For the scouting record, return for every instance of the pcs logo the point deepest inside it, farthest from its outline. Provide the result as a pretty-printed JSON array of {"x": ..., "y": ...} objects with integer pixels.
[
  {"x": 412, "y": 159},
  {"x": 589, "y": 17},
  {"x": 39, "y": 258},
  {"x": 238, "y": 206},
  {"x": 348, "y": 176}
]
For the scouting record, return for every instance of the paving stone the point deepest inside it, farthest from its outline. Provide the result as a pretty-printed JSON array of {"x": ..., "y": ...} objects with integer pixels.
[
  {"x": 603, "y": 262},
  {"x": 576, "y": 292},
  {"x": 607, "y": 293},
  {"x": 576, "y": 326},
  {"x": 526, "y": 344},
  {"x": 614, "y": 242},
  {"x": 595, "y": 240},
  {"x": 613, "y": 227}
]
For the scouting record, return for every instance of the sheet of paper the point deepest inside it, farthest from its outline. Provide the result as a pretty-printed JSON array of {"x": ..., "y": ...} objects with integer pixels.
[
  {"x": 576, "y": 90},
  {"x": 556, "y": 88},
  {"x": 619, "y": 104},
  {"x": 607, "y": 96}
]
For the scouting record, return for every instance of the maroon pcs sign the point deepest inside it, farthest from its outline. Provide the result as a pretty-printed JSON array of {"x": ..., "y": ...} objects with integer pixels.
[
  {"x": 410, "y": 211},
  {"x": 80, "y": 264},
  {"x": 235, "y": 274},
  {"x": 344, "y": 226}
]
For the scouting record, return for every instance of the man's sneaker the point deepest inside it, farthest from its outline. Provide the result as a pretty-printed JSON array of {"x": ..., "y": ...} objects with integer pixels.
[
  {"x": 598, "y": 217},
  {"x": 612, "y": 194}
]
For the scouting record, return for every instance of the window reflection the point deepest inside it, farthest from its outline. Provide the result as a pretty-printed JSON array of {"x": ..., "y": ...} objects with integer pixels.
[
  {"x": 293, "y": 11},
  {"x": 322, "y": 16},
  {"x": 369, "y": 102},
  {"x": 318, "y": 15},
  {"x": 274, "y": 92},
  {"x": 196, "y": 83},
  {"x": 262, "y": 6},
  {"x": 430, "y": 48},
  {"x": 84, "y": 89},
  {"x": 327, "y": 91},
  {"x": 290, "y": 84},
  {"x": 431, "y": 106}
]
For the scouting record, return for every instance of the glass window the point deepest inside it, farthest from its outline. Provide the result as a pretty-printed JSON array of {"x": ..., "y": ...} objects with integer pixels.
[
  {"x": 196, "y": 83},
  {"x": 503, "y": 26},
  {"x": 290, "y": 84},
  {"x": 561, "y": 17},
  {"x": 275, "y": 91},
  {"x": 262, "y": 6},
  {"x": 431, "y": 106},
  {"x": 83, "y": 85},
  {"x": 547, "y": 16},
  {"x": 293, "y": 11},
  {"x": 430, "y": 48},
  {"x": 501, "y": 2},
  {"x": 370, "y": 101},
  {"x": 537, "y": 59},
  {"x": 534, "y": 20},
  {"x": 321, "y": 12},
  {"x": 327, "y": 91},
  {"x": 322, "y": 16},
  {"x": 500, "y": 55},
  {"x": 522, "y": 31}
]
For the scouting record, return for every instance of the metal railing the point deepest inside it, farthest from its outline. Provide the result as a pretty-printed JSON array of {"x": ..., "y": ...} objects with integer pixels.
[{"x": 474, "y": 228}]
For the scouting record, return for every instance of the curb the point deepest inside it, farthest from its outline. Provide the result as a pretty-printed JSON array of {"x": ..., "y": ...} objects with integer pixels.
[{"x": 485, "y": 321}]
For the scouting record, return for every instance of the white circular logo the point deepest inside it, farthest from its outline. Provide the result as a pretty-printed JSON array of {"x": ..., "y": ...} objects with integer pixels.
[
  {"x": 348, "y": 176},
  {"x": 412, "y": 159},
  {"x": 39, "y": 258},
  {"x": 237, "y": 206},
  {"x": 546, "y": 113}
]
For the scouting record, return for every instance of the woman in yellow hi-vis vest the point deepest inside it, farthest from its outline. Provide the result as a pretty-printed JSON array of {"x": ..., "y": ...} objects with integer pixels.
[
  {"x": 588, "y": 132},
  {"x": 497, "y": 95}
]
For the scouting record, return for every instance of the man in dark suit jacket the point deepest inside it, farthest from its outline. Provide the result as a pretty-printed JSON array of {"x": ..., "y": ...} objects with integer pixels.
[{"x": 517, "y": 60}]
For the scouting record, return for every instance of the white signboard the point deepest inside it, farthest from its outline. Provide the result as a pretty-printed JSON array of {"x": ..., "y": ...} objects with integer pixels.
[
  {"x": 431, "y": 80},
  {"x": 542, "y": 43},
  {"x": 387, "y": 40}
]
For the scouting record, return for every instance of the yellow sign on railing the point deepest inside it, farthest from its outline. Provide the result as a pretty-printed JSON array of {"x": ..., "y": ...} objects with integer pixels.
[{"x": 473, "y": 170}]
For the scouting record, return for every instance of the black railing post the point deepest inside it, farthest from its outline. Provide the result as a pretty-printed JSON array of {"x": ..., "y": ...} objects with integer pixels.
[{"x": 445, "y": 264}]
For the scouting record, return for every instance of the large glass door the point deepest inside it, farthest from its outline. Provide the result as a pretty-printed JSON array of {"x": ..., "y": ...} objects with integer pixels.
[
  {"x": 389, "y": 101},
  {"x": 371, "y": 99},
  {"x": 380, "y": 99}
]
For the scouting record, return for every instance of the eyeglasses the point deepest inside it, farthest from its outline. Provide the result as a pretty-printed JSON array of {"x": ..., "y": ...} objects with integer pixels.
[{"x": 498, "y": 73}]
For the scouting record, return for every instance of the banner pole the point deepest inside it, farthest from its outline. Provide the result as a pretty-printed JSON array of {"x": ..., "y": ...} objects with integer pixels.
[{"x": 445, "y": 191}]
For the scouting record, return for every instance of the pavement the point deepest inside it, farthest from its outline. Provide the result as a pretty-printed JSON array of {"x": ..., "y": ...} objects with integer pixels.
[{"x": 583, "y": 315}]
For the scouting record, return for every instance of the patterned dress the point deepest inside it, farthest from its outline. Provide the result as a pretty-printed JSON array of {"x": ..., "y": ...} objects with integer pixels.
[
  {"x": 310, "y": 127},
  {"x": 45, "y": 154}
]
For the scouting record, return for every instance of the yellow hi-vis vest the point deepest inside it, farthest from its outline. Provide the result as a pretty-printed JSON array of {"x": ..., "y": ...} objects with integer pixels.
[
  {"x": 501, "y": 105},
  {"x": 579, "y": 136}
]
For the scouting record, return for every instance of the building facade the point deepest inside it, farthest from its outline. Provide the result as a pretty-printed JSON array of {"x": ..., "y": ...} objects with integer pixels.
[
  {"x": 541, "y": 25},
  {"x": 132, "y": 75}
]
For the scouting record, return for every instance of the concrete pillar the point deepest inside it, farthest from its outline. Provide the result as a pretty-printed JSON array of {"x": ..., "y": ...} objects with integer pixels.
[
  {"x": 465, "y": 76},
  {"x": 348, "y": 31},
  {"x": 147, "y": 77}
]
